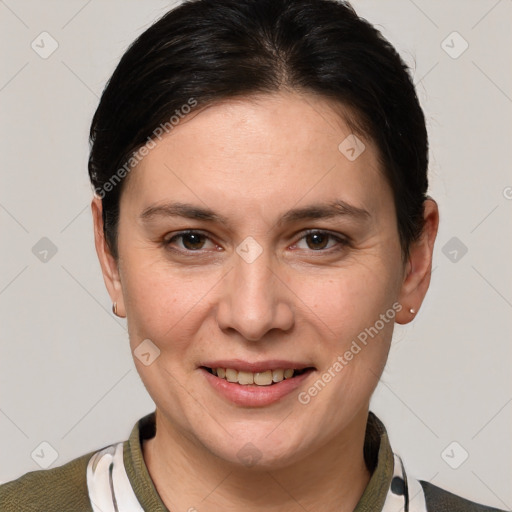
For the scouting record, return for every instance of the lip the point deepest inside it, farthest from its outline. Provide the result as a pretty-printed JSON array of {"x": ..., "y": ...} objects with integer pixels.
[
  {"x": 259, "y": 366},
  {"x": 252, "y": 395}
]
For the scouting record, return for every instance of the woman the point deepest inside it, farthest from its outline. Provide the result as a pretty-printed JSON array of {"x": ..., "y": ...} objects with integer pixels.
[{"x": 262, "y": 220}]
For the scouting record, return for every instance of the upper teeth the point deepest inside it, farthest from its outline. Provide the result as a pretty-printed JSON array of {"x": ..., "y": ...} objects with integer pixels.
[{"x": 259, "y": 378}]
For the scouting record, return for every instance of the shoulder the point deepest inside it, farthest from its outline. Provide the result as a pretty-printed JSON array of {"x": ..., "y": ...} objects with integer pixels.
[
  {"x": 439, "y": 500},
  {"x": 56, "y": 489}
]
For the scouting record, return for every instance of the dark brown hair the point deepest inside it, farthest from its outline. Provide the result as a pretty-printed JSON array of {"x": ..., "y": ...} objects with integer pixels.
[{"x": 205, "y": 51}]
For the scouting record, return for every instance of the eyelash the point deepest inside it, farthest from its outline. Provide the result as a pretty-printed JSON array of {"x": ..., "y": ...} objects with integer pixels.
[{"x": 342, "y": 242}]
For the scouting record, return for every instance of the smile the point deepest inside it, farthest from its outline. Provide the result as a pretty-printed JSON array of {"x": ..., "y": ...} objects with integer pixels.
[
  {"x": 268, "y": 383},
  {"x": 265, "y": 378}
]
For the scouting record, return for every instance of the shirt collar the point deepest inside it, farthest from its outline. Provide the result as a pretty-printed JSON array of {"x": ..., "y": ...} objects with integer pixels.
[{"x": 380, "y": 460}]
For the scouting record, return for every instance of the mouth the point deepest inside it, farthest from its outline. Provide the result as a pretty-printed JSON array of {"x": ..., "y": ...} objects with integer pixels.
[
  {"x": 258, "y": 383},
  {"x": 270, "y": 377}
]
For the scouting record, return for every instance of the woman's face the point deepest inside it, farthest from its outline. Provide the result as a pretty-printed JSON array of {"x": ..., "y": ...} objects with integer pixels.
[{"x": 271, "y": 275}]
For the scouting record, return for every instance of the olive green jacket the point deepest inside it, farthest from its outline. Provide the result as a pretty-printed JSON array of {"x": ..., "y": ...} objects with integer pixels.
[{"x": 65, "y": 489}]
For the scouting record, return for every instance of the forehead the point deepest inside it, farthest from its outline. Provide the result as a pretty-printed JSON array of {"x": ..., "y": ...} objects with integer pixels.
[{"x": 266, "y": 148}]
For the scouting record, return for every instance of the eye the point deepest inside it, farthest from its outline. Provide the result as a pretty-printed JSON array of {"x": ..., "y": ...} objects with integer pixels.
[
  {"x": 315, "y": 240},
  {"x": 319, "y": 241},
  {"x": 190, "y": 240}
]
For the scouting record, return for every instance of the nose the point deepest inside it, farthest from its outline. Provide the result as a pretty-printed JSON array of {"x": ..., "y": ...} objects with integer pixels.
[{"x": 254, "y": 299}]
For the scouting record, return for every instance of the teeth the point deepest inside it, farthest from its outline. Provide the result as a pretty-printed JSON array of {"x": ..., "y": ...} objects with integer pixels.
[
  {"x": 231, "y": 375},
  {"x": 265, "y": 378},
  {"x": 245, "y": 378},
  {"x": 277, "y": 375}
]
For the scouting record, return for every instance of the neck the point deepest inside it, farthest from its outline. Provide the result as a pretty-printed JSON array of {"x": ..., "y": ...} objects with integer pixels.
[{"x": 188, "y": 477}]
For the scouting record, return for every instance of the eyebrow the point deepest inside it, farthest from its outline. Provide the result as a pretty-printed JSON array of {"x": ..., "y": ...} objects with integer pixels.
[{"x": 337, "y": 208}]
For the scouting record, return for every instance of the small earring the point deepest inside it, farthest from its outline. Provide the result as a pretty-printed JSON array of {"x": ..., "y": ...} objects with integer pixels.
[
  {"x": 412, "y": 311},
  {"x": 114, "y": 308}
]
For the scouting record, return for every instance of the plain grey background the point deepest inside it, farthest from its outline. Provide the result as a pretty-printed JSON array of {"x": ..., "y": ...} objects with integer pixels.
[{"x": 66, "y": 373}]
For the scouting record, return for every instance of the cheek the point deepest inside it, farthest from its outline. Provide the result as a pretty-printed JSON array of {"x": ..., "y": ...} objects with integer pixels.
[
  {"x": 354, "y": 320},
  {"x": 348, "y": 299},
  {"x": 160, "y": 302}
]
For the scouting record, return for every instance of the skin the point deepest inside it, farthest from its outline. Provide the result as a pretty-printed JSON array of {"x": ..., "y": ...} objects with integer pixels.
[{"x": 303, "y": 299}]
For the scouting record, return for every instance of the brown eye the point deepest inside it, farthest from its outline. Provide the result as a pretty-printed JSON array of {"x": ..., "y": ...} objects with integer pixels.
[
  {"x": 193, "y": 241},
  {"x": 321, "y": 241},
  {"x": 317, "y": 241},
  {"x": 190, "y": 240}
]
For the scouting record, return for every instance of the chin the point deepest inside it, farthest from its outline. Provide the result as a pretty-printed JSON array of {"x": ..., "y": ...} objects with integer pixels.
[{"x": 259, "y": 451}]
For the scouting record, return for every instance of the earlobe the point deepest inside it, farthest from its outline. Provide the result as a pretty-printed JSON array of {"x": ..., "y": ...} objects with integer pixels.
[
  {"x": 108, "y": 263},
  {"x": 419, "y": 265}
]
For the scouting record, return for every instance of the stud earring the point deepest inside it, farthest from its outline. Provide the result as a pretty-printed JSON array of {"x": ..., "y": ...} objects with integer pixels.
[
  {"x": 114, "y": 308},
  {"x": 412, "y": 311}
]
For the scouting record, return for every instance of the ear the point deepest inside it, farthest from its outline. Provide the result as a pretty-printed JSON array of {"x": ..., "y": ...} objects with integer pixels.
[
  {"x": 109, "y": 266},
  {"x": 419, "y": 265}
]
